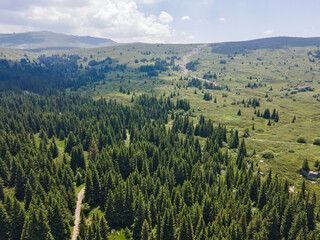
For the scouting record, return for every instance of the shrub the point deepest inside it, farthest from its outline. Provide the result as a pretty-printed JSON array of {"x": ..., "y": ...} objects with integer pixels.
[
  {"x": 305, "y": 165},
  {"x": 301, "y": 140},
  {"x": 316, "y": 141},
  {"x": 267, "y": 154}
]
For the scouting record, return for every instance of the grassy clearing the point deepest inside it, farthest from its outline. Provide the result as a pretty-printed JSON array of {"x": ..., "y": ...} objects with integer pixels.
[{"x": 278, "y": 71}]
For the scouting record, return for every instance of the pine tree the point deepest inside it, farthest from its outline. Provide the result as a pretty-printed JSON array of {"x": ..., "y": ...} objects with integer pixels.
[
  {"x": 71, "y": 142},
  {"x": 36, "y": 227},
  {"x": 56, "y": 222},
  {"x": 239, "y": 112},
  {"x": 262, "y": 200},
  {"x": 1, "y": 192},
  {"x": 167, "y": 226},
  {"x": 94, "y": 150},
  {"x": 186, "y": 231},
  {"x": 140, "y": 216},
  {"x": 83, "y": 228},
  {"x": 28, "y": 195},
  {"x": 4, "y": 223},
  {"x": 4, "y": 173},
  {"x": 145, "y": 232},
  {"x": 89, "y": 194},
  {"x": 104, "y": 228},
  {"x": 276, "y": 118},
  {"x": 49, "y": 236},
  {"x": 54, "y": 149},
  {"x": 17, "y": 221},
  {"x": 77, "y": 158},
  {"x": 305, "y": 165},
  {"x": 20, "y": 183},
  {"x": 269, "y": 123}
]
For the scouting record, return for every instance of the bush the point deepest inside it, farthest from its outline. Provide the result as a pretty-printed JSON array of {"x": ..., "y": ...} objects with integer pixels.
[
  {"x": 316, "y": 141},
  {"x": 127, "y": 233},
  {"x": 267, "y": 154},
  {"x": 301, "y": 140}
]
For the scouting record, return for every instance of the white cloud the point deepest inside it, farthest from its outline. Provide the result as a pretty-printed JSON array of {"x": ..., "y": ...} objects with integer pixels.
[
  {"x": 151, "y": 1},
  {"x": 185, "y": 18},
  {"x": 268, "y": 32},
  {"x": 222, "y": 19},
  {"x": 191, "y": 37},
  {"x": 165, "y": 17},
  {"x": 119, "y": 20}
]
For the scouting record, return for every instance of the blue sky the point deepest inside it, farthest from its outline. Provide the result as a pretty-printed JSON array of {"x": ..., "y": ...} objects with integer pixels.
[{"x": 169, "y": 21}]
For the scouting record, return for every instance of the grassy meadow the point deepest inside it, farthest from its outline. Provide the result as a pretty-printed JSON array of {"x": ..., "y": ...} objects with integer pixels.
[{"x": 277, "y": 74}]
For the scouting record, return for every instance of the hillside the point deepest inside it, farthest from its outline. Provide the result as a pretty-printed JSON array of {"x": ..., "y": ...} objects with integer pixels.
[
  {"x": 168, "y": 140},
  {"x": 38, "y": 41},
  {"x": 264, "y": 43}
]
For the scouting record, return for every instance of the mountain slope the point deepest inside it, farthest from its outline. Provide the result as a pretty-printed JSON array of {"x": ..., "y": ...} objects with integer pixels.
[
  {"x": 49, "y": 40},
  {"x": 264, "y": 43}
]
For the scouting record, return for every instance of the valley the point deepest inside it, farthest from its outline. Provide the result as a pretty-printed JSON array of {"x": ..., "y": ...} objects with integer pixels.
[{"x": 162, "y": 141}]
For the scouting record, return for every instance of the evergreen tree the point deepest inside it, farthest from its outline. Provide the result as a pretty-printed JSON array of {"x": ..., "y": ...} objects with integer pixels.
[
  {"x": 70, "y": 143},
  {"x": 36, "y": 226},
  {"x": 140, "y": 217},
  {"x": 4, "y": 223},
  {"x": 1, "y": 192},
  {"x": 167, "y": 226},
  {"x": 17, "y": 221},
  {"x": 269, "y": 123},
  {"x": 305, "y": 165},
  {"x": 145, "y": 232},
  {"x": 57, "y": 223},
  {"x": 83, "y": 228},
  {"x": 20, "y": 183},
  {"x": 186, "y": 231},
  {"x": 104, "y": 228}
]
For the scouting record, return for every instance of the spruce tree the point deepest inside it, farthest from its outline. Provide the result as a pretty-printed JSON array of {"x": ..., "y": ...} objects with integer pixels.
[
  {"x": 186, "y": 232},
  {"x": 4, "y": 223},
  {"x": 167, "y": 226},
  {"x": 305, "y": 165},
  {"x": 104, "y": 228},
  {"x": 140, "y": 217},
  {"x": 28, "y": 195},
  {"x": 20, "y": 183},
  {"x": 145, "y": 232},
  {"x": 70, "y": 143},
  {"x": 83, "y": 228},
  {"x": 269, "y": 123},
  {"x": 56, "y": 222},
  {"x": 17, "y": 221}
]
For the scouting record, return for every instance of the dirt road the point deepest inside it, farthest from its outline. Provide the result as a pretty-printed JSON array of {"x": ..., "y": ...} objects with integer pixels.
[
  {"x": 77, "y": 214},
  {"x": 186, "y": 58}
]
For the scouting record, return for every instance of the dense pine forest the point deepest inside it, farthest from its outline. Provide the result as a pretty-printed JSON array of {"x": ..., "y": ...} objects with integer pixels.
[{"x": 154, "y": 179}]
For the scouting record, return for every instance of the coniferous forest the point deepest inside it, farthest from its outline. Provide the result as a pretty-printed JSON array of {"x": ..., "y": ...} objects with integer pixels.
[{"x": 157, "y": 181}]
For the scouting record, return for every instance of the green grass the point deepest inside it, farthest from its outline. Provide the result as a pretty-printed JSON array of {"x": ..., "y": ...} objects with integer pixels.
[
  {"x": 282, "y": 70},
  {"x": 78, "y": 189},
  {"x": 118, "y": 235}
]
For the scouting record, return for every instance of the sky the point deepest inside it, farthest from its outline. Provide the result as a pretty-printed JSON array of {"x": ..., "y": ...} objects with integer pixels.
[{"x": 164, "y": 21}]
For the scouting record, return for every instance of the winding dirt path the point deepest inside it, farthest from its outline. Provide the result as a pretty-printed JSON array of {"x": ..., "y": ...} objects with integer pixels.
[
  {"x": 77, "y": 214},
  {"x": 186, "y": 58}
]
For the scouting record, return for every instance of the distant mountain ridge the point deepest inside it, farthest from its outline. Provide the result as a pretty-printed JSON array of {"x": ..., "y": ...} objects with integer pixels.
[
  {"x": 263, "y": 43},
  {"x": 44, "y": 40}
]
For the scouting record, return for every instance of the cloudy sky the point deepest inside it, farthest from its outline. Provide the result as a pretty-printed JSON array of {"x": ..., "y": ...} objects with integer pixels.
[{"x": 169, "y": 21}]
